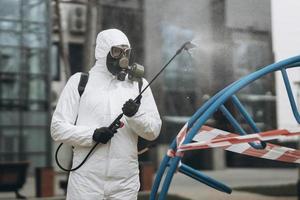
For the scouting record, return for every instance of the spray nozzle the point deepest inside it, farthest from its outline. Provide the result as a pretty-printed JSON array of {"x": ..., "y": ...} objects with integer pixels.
[{"x": 186, "y": 46}]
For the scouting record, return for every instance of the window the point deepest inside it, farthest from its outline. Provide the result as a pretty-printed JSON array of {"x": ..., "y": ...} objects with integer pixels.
[
  {"x": 179, "y": 80},
  {"x": 76, "y": 53},
  {"x": 55, "y": 65},
  {"x": 24, "y": 81}
]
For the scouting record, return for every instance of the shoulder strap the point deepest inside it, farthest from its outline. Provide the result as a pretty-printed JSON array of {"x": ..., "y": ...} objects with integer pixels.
[
  {"x": 81, "y": 86},
  {"x": 82, "y": 83}
]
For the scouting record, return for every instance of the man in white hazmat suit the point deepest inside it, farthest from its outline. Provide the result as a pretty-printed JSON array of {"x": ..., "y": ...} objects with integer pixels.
[{"x": 111, "y": 172}]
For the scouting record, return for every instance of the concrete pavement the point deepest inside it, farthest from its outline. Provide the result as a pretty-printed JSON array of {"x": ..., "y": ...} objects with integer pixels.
[
  {"x": 189, "y": 188},
  {"x": 235, "y": 178}
]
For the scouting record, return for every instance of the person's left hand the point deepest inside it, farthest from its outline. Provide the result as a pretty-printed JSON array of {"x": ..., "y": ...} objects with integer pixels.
[{"x": 131, "y": 107}]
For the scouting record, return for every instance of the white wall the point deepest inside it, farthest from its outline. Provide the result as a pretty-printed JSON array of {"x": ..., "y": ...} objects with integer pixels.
[
  {"x": 286, "y": 43},
  {"x": 247, "y": 15}
]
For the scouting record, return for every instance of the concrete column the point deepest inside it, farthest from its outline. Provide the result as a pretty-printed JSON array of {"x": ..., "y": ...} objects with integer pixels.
[
  {"x": 92, "y": 23},
  {"x": 218, "y": 159}
]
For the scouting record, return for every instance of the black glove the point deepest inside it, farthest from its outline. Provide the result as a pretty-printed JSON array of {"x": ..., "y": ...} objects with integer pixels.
[
  {"x": 103, "y": 135},
  {"x": 131, "y": 107}
]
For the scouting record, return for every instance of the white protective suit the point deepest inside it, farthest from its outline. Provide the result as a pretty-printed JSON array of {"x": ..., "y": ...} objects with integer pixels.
[{"x": 111, "y": 172}]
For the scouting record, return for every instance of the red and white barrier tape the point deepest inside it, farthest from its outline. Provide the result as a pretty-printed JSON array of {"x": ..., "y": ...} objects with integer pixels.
[
  {"x": 239, "y": 144},
  {"x": 231, "y": 140}
]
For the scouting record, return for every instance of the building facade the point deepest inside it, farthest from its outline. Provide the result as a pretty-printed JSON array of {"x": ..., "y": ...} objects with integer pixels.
[
  {"x": 25, "y": 82},
  {"x": 233, "y": 38}
]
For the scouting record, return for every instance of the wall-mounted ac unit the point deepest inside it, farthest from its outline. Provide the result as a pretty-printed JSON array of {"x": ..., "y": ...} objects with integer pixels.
[{"x": 77, "y": 19}]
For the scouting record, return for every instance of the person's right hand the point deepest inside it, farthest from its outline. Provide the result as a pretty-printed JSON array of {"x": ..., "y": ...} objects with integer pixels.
[{"x": 103, "y": 135}]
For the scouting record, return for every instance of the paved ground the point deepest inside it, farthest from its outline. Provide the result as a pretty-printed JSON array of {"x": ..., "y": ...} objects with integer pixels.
[
  {"x": 187, "y": 187},
  {"x": 235, "y": 178}
]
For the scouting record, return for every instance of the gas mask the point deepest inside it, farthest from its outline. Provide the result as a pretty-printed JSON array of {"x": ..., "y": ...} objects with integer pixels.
[{"x": 117, "y": 63}]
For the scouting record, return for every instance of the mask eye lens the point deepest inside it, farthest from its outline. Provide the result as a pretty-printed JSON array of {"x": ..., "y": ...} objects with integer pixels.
[
  {"x": 116, "y": 52},
  {"x": 127, "y": 52}
]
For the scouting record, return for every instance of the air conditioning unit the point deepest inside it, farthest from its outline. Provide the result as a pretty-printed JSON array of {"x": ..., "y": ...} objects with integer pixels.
[{"x": 77, "y": 19}]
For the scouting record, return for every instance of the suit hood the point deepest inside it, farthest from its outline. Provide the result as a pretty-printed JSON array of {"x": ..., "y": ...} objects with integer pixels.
[{"x": 105, "y": 40}]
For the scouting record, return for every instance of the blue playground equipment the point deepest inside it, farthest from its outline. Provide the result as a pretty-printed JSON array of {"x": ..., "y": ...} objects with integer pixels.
[{"x": 169, "y": 163}]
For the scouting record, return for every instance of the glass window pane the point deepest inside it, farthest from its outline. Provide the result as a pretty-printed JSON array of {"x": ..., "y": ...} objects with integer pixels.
[
  {"x": 36, "y": 161},
  {"x": 35, "y": 59},
  {"x": 34, "y": 10},
  {"x": 9, "y": 59},
  {"x": 9, "y": 38},
  {"x": 38, "y": 106},
  {"x": 34, "y": 40},
  {"x": 34, "y": 140},
  {"x": 181, "y": 77},
  {"x": 34, "y": 27},
  {"x": 10, "y": 9},
  {"x": 10, "y": 25},
  {"x": 9, "y": 118},
  {"x": 35, "y": 118},
  {"x": 37, "y": 89},
  {"x": 9, "y": 140},
  {"x": 248, "y": 55},
  {"x": 9, "y": 86},
  {"x": 9, "y": 157}
]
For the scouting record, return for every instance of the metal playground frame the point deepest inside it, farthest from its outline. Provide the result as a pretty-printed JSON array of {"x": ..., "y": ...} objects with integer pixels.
[{"x": 172, "y": 160}]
